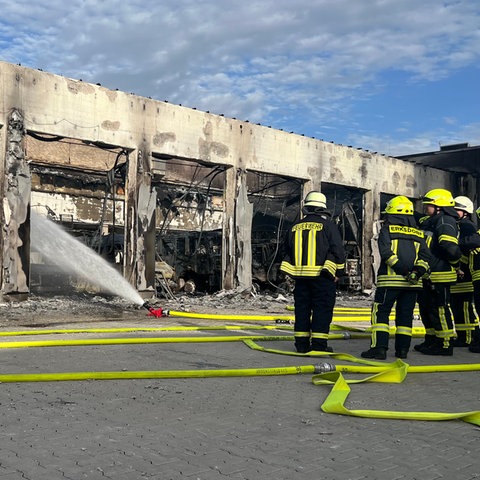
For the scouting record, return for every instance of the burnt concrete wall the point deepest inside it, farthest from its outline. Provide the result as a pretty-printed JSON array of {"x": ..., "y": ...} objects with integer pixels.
[{"x": 144, "y": 127}]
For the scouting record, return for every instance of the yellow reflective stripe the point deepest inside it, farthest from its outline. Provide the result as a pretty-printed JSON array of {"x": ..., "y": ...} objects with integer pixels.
[
  {"x": 300, "y": 270},
  {"x": 374, "y": 322},
  {"x": 312, "y": 247},
  {"x": 421, "y": 263},
  {"x": 381, "y": 327},
  {"x": 448, "y": 238},
  {"x": 330, "y": 266},
  {"x": 298, "y": 247},
  {"x": 392, "y": 260},
  {"x": 301, "y": 334},
  {"x": 322, "y": 336},
  {"x": 395, "y": 281},
  {"x": 462, "y": 287},
  {"x": 404, "y": 331},
  {"x": 444, "y": 277}
]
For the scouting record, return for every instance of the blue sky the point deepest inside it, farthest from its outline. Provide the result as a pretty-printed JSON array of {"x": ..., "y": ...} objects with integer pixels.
[{"x": 393, "y": 76}]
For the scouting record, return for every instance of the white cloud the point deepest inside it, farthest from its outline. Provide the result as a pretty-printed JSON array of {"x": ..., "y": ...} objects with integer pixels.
[{"x": 289, "y": 64}]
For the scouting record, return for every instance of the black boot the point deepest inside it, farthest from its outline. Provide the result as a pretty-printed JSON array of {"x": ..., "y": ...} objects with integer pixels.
[
  {"x": 321, "y": 347},
  {"x": 460, "y": 341},
  {"x": 474, "y": 347},
  {"x": 401, "y": 353},
  {"x": 427, "y": 341},
  {"x": 378, "y": 353},
  {"x": 438, "y": 348},
  {"x": 303, "y": 347}
]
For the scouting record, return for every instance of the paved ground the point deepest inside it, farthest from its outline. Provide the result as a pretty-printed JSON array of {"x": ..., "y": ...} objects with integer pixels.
[{"x": 253, "y": 428}]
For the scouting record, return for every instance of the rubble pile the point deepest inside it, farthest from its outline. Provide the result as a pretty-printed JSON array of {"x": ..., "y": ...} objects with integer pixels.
[{"x": 42, "y": 310}]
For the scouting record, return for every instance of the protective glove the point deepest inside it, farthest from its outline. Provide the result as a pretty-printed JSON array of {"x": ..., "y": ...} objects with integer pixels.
[{"x": 412, "y": 277}]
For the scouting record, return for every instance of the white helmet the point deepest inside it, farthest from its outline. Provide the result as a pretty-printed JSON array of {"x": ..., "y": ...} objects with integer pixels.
[
  {"x": 315, "y": 199},
  {"x": 463, "y": 203}
]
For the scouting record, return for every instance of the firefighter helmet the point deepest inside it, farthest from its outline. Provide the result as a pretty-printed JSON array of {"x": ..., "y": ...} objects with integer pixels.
[
  {"x": 463, "y": 203},
  {"x": 399, "y": 206},
  {"x": 315, "y": 199},
  {"x": 439, "y": 197}
]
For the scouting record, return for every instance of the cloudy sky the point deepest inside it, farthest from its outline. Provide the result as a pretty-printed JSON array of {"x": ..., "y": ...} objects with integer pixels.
[{"x": 393, "y": 76}]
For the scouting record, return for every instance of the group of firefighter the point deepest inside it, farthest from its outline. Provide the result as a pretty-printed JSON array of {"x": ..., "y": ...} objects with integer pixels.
[{"x": 431, "y": 259}]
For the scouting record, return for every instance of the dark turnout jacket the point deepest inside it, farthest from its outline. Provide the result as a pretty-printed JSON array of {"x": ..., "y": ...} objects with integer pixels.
[
  {"x": 441, "y": 233},
  {"x": 470, "y": 245},
  {"x": 466, "y": 229},
  {"x": 313, "y": 247},
  {"x": 402, "y": 250}
]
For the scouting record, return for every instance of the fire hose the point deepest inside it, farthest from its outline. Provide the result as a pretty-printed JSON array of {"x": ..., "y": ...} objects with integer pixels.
[{"x": 324, "y": 374}]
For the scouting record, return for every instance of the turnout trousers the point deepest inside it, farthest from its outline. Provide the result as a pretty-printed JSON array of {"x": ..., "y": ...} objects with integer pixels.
[
  {"x": 314, "y": 302},
  {"x": 383, "y": 303},
  {"x": 434, "y": 306},
  {"x": 463, "y": 316}
]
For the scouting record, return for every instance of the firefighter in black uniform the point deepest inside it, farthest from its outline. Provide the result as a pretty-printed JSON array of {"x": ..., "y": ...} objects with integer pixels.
[
  {"x": 404, "y": 261},
  {"x": 461, "y": 293},
  {"x": 314, "y": 258},
  {"x": 471, "y": 244},
  {"x": 441, "y": 233}
]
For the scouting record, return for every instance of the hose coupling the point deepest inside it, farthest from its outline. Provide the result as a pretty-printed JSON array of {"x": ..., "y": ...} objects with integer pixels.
[
  {"x": 324, "y": 368},
  {"x": 155, "y": 312},
  {"x": 346, "y": 335}
]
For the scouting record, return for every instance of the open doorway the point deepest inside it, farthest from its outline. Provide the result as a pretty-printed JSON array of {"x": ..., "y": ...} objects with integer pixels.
[{"x": 346, "y": 205}]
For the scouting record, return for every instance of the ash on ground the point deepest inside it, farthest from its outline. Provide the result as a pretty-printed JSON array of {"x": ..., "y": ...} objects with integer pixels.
[{"x": 40, "y": 311}]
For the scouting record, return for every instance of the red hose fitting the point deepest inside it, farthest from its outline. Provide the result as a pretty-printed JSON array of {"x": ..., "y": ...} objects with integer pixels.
[{"x": 155, "y": 312}]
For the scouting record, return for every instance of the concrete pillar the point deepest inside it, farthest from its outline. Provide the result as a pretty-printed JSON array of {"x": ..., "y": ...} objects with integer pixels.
[
  {"x": 228, "y": 243},
  {"x": 369, "y": 214},
  {"x": 140, "y": 203},
  {"x": 243, "y": 231},
  {"x": 15, "y": 212}
]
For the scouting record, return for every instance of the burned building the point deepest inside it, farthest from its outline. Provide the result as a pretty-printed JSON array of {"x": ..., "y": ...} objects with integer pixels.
[{"x": 172, "y": 194}]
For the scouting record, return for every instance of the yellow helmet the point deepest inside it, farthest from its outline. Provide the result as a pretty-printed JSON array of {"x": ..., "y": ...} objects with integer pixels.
[
  {"x": 463, "y": 203},
  {"x": 439, "y": 197},
  {"x": 315, "y": 199},
  {"x": 399, "y": 206}
]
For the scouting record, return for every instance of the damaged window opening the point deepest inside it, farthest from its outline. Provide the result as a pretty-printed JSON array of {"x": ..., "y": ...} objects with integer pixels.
[
  {"x": 189, "y": 231},
  {"x": 80, "y": 185}
]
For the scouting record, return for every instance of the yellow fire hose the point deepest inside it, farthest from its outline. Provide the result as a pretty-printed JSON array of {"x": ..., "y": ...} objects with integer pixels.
[
  {"x": 121, "y": 375},
  {"x": 258, "y": 318},
  {"x": 384, "y": 373},
  {"x": 324, "y": 374}
]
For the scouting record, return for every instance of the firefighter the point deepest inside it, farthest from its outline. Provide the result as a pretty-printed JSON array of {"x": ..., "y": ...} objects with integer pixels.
[
  {"x": 315, "y": 257},
  {"x": 404, "y": 257},
  {"x": 441, "y": 233},
  {"x": 461, "y": 293},
  {"x": 472, "y": 245}
]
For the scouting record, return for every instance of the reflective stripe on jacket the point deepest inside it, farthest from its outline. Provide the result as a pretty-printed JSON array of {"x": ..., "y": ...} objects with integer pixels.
[
  {"x": 402, "y": 249},
  {"x": 314, "y": 244}
]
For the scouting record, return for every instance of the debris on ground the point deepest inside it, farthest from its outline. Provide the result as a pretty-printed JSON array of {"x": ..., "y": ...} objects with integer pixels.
[{"x": 40, "y": 310}]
